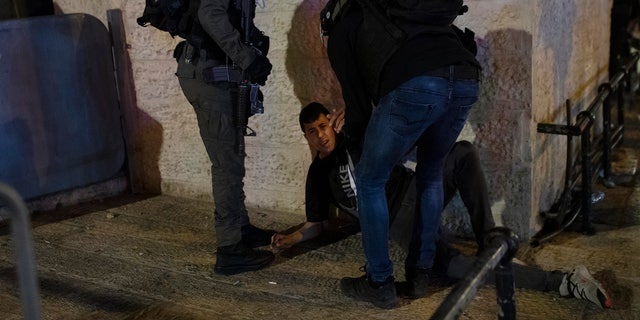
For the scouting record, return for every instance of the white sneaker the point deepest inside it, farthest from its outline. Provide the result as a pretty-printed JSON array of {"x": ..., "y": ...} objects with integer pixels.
[{"x": 582, "y": 285}]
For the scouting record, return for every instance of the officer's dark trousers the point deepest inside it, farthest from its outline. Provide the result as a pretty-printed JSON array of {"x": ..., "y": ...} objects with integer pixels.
[{"x": 214, "y": 108}]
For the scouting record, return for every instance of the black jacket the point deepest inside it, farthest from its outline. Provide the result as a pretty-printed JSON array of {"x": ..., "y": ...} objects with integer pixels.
[{"x": 421, "y": 53}]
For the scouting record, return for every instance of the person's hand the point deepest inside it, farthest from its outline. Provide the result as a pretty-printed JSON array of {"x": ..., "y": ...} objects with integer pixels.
[
  {"x": 260, "y": 69},
  {"x": 336, "y": 119},
  {"x": 280, "y": 242},
  {"x": 275, "y": 238}
]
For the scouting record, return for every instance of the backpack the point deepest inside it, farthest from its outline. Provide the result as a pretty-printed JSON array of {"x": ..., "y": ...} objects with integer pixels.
[
  {"x": 387, "y": 24},
  {"x": 174, "y": 16},
  {"x": 180, "y": 18}
]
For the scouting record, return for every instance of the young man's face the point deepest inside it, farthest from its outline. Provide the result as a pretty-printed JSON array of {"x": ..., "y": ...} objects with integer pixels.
[{"x": 320, "y": 135}]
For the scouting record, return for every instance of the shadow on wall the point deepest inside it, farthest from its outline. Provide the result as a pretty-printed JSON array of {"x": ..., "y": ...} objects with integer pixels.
[
  {"x": 147, "y": 142},
  {"x": 307, "y": 63}
]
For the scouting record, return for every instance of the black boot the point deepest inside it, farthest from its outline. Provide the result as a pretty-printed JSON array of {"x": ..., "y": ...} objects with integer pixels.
[
  {"x": 381, "y": 294},
  {"x": 239, "y": 258},
  {"x": 417, "y": 282},
  {"x": 254, "y": 237}
]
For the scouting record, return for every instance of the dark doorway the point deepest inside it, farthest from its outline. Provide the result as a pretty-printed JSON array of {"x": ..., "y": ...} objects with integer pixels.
[{"x": 13, "y": 9}]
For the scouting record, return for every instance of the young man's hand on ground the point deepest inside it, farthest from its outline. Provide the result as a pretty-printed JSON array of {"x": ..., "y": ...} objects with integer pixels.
[
  {"x": 280, "y": 242},
  {"x": 308, "y": 230}
]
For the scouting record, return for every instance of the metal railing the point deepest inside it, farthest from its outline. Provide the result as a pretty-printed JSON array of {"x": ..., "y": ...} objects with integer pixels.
[
  {"x": 26, "y": 268},
  {"x": 595, "y": 153},
  {"x": 502, "y": 246}
]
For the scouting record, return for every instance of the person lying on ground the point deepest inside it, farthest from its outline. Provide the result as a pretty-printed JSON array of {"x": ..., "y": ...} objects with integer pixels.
[{"x": 330, "y": 181}]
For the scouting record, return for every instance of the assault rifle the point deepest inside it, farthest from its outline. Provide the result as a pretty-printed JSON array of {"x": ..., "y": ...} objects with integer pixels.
[{"x": 249, "y": 99}]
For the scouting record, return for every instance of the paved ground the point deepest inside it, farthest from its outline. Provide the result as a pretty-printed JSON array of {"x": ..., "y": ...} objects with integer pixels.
[{"x": 134, "y": 257}]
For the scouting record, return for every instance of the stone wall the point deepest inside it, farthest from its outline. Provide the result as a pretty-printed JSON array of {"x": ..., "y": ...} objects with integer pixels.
[
  {"x": 535, "y": 55},
  {"x": 570, "y": 60}
]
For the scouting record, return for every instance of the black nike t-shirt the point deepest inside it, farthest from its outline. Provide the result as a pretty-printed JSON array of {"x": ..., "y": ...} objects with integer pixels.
[{"x": 330, "y": 181}]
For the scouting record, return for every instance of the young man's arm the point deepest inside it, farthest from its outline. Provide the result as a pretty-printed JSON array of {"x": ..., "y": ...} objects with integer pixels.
[
  {"x": 308, "y": 230},
  {"x": 317, "y": 200}
]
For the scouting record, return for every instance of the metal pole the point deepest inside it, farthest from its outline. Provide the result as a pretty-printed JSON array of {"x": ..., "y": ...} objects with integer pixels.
[
  {"x": 21, "y": 228},
  {"x": 621, "y": 108},
  {"x": 606, "y": 136},
  {"x": 505, "y": 291},
  {"x": 586, "y": 179},
  {"x": 502, "y": 245}
]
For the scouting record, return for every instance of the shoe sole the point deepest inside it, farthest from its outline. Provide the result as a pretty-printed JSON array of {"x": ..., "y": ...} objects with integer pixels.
[{"x": 228, "y": 271}]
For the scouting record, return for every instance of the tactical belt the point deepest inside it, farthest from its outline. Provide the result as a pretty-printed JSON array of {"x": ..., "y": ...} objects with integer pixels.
[
  {"x": 220, "y": 72},
  {"x": 456, "y": 72}
]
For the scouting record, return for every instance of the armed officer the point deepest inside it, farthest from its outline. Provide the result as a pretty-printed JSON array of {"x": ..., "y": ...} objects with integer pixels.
[{"x": 220, "y": 56}]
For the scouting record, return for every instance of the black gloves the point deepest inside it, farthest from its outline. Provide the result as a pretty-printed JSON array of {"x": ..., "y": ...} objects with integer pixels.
[{"x": 259, "y": 70}]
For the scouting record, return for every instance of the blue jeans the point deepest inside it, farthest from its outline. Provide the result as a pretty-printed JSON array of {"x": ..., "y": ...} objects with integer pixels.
[{"x": 425, "y": 111}]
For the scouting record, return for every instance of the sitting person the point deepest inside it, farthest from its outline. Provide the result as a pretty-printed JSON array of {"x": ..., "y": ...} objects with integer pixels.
[{"x": 330, "y": 180}]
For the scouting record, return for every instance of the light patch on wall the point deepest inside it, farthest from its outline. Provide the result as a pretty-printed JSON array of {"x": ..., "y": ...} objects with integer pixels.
[{"x": 497, "y": 211}]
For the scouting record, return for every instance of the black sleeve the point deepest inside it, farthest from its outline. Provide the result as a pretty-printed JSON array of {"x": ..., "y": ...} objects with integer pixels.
[
  {"x": 214, "y": 19},
  {"x": 358, "y": 103},
  {"x": 317, "y": 195}
]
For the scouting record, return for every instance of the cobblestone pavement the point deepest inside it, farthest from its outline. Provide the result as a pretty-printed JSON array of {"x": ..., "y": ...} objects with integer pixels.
[{"x": 133, "y": 257}]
